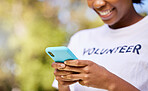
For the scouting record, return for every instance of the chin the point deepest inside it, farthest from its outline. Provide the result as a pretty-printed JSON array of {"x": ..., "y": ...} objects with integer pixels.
[{"x": 110, "y": 23}]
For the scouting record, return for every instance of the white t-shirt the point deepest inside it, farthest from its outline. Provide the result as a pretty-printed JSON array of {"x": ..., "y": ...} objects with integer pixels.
[{"x": 123, "y": 52}]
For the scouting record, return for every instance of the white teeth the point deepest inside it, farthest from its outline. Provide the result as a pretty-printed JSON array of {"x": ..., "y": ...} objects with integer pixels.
[{"x": 105, "y": 12}]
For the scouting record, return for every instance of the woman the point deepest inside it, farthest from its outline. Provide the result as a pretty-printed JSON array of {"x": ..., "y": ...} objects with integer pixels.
[{"x": 112, "y": 57}]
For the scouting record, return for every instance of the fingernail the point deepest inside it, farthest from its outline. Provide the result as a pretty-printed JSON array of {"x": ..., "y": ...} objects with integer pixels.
[
  {"x": 65, "y": 62},
  {"x": 62, "y": 76},
  {"x": 63, "y": 65}
]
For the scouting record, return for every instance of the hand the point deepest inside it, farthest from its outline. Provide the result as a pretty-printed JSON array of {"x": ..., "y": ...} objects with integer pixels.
[
  {"x": 59, "y": 73},
  {"x": 89, "y": 73}
]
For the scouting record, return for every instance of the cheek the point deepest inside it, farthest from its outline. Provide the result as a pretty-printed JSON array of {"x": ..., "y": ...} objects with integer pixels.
[
  {"x": 90, "y": 2},
  {"x": 114, "y": 19},
  {"x": 122, "y": 11},
  {"x": 119, "y": 14}
]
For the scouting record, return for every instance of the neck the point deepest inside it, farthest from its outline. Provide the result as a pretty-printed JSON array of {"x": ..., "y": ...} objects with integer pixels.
[{"x": 129, "y": 19}]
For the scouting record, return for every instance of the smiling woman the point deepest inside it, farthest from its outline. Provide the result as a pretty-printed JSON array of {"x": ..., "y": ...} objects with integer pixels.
[
  {"x": 112, "y": 57},
  {"x": 115, "y": 13}
]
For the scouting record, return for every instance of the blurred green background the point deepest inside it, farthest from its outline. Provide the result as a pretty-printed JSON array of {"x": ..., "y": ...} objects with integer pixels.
[{"x": 27, "y": 27}]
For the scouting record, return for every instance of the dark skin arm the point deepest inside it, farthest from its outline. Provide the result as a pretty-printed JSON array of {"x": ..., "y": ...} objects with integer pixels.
[
  {"x": 92, "y": 75},
  {"x": 63, "y": 87}
]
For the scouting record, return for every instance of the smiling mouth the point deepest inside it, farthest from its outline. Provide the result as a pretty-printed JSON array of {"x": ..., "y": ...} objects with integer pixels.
[{"x": 105, "y": 13}]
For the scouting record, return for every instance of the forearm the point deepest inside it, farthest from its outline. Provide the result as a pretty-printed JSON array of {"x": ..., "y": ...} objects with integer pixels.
[
  {"x": 118, "y": 84},
  {"x": 63, "y": 88}
]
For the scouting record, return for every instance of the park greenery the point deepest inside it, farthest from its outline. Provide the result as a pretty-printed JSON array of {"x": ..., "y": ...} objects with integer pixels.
[{"x": 27, "y": 27}]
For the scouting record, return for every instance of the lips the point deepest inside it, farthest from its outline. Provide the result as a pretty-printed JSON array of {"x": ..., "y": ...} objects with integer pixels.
[{"x": 105, "y": 13}]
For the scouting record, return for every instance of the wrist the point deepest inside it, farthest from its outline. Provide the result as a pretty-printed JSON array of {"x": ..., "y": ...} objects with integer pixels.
[
  {"x": 117, "y": 84},
  {"x": 63, "y": 87},
  {"x": 112, "y": 82}
]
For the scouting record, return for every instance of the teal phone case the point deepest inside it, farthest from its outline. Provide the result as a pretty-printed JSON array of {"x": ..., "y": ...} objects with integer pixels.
[{"x": 60, "y": 54}]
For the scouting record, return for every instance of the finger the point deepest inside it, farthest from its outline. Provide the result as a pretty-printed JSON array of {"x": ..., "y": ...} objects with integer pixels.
[
  {"x": 81, "y": 82},
  {"x": 74, "y": 77},
  {"x": 73, "y": 69},
  {"x": 67, "y": 82},
  {"x": 58, "y": 65},
  {"x": 61, "y": 72},
  {"x": 77, "y": 62},
  {"x": 60, "y": 78}
]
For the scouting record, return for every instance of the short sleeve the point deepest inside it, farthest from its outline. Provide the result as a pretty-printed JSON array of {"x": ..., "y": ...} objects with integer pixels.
[{"x": 55, "y": 84}]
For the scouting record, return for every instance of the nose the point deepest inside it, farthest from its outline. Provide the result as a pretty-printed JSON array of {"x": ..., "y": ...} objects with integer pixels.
[{"x": 98, "y": 4}]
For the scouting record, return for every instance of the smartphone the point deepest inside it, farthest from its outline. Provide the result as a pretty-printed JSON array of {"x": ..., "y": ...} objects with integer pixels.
[{"x": 60, "y": 54}]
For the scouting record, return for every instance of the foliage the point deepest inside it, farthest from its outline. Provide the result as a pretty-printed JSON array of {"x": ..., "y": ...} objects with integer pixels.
[
  {"x": 34, "y": 72},
  {"x": 29, "y": 26},
  {"x": 33, "y": 64}
]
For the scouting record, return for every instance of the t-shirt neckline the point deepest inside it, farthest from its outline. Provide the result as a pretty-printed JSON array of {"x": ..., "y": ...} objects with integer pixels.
[{"x": 135, "y": 26}]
